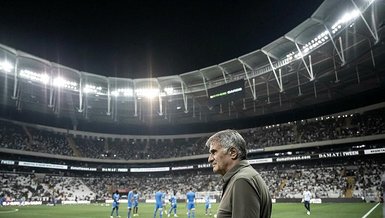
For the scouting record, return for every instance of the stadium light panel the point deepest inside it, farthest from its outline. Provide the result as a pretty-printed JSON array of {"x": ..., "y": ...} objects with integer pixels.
[
  {"x": 169, "y": 90},
  {"x": 147, "y": 92},
  {"x": 33, "y": 76},
  {"x": 63, "y": 83},
  {"x": 127, "y": 92},
  {"x": 6, "y": 66},
  {"x": 346, "y": 18},
  {"x": 323, "y": 37},
  {"x": 115, "y": 93},
  {"x": 91, "y": 89}
]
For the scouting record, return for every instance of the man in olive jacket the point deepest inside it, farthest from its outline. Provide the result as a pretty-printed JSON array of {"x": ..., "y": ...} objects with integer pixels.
[{"x": 245, "y": 194}]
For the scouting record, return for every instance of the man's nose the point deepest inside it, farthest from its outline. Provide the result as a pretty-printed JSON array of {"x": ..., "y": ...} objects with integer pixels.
[{"x": 210, "y": 158}]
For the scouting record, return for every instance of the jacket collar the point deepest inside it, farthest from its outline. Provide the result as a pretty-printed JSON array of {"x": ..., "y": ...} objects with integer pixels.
[{"x": 242, "y": 164}]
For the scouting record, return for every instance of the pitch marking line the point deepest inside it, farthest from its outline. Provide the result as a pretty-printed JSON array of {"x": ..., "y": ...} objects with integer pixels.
[
  {"x": 10, "y": 211},
  {"x": 370, "y": 211}
]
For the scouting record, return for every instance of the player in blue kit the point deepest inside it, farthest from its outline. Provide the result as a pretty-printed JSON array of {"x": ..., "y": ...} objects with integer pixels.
[
  {"x": 208, "y": 204},
  {"x": 115, "y": 204},
  {"x": 159, "y": 203},
  {"x": 190, "y": 197},
  {"x": 130, "y": 200},
  {"x": 173, "y": 202},
  {"x": 136, "y": 203}
]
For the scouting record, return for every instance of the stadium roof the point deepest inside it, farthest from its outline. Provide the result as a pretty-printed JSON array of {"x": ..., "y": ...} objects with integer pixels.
[{"x": 337, "y": 52}]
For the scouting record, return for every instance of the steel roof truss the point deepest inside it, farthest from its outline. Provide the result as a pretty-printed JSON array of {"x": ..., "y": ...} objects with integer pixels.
[
  {"x": 309, "y": 68},
  {"x": 80, "y": 110},
  {"x": 182, "y": 84},
  {"x": 160, "y": 99},
  {"x": 339, "y": 53},
  {"x": 223, "y": 72},
  {"x": 278, "y": 78},
  {"x": 108, "y": 98},
  {"x": 204, "y": 83},
  {"x": 252, "y": 88},
  {"x": 374, "y": 30},
  {"x": 135, "y": 100},
  {"x": 14, "y": 97}
]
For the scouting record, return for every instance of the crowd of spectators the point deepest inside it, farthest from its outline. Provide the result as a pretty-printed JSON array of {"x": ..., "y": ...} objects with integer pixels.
[
  {"x": 358, "y": 178},
  {"x": 369, "y": 123},
  {"x": 41, "y": 187},
  {"x": 48, "y": 142},
  {"x": 12, "y": 136}
]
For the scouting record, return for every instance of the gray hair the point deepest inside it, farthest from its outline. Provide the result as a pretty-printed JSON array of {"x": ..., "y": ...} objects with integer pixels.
[{"x": 230, "y": 138}]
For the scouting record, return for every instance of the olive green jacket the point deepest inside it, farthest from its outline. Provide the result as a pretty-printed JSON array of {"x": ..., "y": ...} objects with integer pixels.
[{"x": 245, "y": 194}]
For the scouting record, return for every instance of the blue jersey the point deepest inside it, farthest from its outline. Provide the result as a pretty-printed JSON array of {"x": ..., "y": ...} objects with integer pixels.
[
  {"x": 130, "y": 198},
  {"x": 190, "y": 197},
  {"x": 207, "y": 202},
  {"x": 136, "y": 199},
  {"x": 159, "y": 199},
  {"x": 190, "y": 200},
  {"x": 164, "y": 198},
  {"x": 115, "y": 198},
  {"x": 173, "y": 201}
]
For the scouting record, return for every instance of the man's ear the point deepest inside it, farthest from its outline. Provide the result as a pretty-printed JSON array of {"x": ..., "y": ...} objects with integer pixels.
[{"x": 233, "y": 153}]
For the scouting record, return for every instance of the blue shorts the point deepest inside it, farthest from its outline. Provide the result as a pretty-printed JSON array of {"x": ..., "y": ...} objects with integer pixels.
[
  {"x": 190, "y": 205},
  {"x": 136, "y": 204},
  {"x": 129, "y": 204},
  {"x": 158, "y": 205}
]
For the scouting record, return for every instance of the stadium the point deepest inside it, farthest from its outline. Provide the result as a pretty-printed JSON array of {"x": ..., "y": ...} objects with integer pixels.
[{"x": 310, "y": 105}]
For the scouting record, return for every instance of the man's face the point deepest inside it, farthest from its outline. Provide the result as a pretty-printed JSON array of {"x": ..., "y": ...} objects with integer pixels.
[{"x": 219, "y": 158}]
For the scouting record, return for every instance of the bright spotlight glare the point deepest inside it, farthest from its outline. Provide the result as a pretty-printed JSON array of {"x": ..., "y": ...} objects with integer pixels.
[
  {"x": 127, "y": 92},
  {"x": 59, "y": 82},
  {"x": 347, "y": 17},
  {"x": 6, "y": 66},
  {"x": 92, "y": 89},
  {"x": 147, "y": 92}
]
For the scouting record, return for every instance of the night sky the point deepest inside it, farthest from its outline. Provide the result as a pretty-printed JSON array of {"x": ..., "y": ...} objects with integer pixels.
[{"x": 139, "y": 39}]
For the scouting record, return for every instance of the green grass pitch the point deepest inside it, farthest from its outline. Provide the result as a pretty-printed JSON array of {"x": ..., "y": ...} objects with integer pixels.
[{"x": 280, "y": 210}]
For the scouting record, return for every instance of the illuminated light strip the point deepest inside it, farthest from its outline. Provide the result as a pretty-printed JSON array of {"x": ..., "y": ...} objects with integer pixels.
[
  {"x": 39, "y": 77},
  {"x": 149, "y": 93},
  {"x": 316, "y": 42},
  {"x": 122, "y": 92},
  {"x": 155, "y": 169},
  {"x": 374, "y": 151},
  {"x": 182, "y": 168},
  {"x": 262, "y": 160},
  {"x": 61, "y": 82},
  {"x": 92, "y": 89},
  {"x": 43, "y": 165}
]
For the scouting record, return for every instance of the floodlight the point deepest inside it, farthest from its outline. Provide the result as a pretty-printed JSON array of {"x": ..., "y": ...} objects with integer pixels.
[
  {"x": 59, "y": 82},
  {"x": 169, "y": 90},
  {"x": 6, "y": 66},
  {"x": 147, "y": 92},
  {"x": 92, "y": 89},
  {"x": 115, "y": 93},
  {"x": 33, "y": 76},
  {"x": 127, "y": 92}
]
